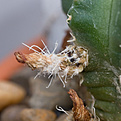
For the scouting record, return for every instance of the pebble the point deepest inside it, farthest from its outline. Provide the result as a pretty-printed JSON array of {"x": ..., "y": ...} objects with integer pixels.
[
  {"x": 37, "y": 115},
  {"x": 10, "y": 93},
  {"x": 48, "y": 98},
  {"x": 12, "y": 113},
  {"x": 65, "y": 117},
  {"x": 62, "y": 117},
  {"x": 22, "y": 77}
]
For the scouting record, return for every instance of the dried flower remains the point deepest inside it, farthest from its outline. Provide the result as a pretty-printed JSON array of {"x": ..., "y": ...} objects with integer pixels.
[
  {"x": 80, "y": 113},
  {"x": 66, "y": 64}
]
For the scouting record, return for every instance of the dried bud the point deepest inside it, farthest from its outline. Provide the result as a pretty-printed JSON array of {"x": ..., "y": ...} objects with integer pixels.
[
  {"x": 33, "y": 60},
  {"x": 20, "y": 57},
  {"x": 68, "y": 63},
  {"x": 80, "y": 113}
]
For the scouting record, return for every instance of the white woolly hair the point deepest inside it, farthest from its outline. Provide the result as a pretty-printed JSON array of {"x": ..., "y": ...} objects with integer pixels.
[{"x": 54, "y": 68}]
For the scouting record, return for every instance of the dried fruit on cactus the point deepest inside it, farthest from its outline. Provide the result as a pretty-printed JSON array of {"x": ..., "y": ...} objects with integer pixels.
[
  {"x": 68, "y": 63},
  {"x": 80, "y": 113}
]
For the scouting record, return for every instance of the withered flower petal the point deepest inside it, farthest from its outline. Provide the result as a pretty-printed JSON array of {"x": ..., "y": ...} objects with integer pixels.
[{"x": 80, "y": 113}]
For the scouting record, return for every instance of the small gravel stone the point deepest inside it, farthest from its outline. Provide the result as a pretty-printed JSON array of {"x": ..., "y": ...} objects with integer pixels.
[
  {"x": 65, "y": 117},
  {"x": 12, "y": 113},
  {"x": 48, "y": 98},
  {"x": 10, "y": 93},
  {"x": 37, "y": 115}
]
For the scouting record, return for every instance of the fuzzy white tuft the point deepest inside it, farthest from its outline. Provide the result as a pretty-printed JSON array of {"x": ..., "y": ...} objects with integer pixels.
[
  {"x": 61, "y": 109},
  {"x": 68, "y": 63}
]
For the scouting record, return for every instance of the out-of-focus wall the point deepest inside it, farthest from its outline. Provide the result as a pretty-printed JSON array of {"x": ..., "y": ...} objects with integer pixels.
[{"x": 22, "y": 20}]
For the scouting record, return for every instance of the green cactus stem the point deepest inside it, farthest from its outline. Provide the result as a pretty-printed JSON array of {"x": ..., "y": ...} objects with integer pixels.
[{"x": 96, "y": 24}]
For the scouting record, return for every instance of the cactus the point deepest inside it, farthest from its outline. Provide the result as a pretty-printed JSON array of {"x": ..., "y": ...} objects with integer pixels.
[{"x": 96, "y": 24}]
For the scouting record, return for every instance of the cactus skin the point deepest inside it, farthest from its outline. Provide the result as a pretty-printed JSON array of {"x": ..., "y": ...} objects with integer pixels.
[
  {"x": 66, "y": 4},
  {"x": 96, "y": 24}
]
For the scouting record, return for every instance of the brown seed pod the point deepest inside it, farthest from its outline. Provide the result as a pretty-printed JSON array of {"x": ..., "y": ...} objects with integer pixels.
[
  {"x": 68, "y": 63},
  {"x": 80, "y": 113}
]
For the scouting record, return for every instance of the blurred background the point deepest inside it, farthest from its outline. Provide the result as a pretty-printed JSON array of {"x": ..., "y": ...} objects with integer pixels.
[
  {"x": 23, "y": 20},
  {"x": 23, "y": 98},
  {"x": 28, "y": 21}
]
